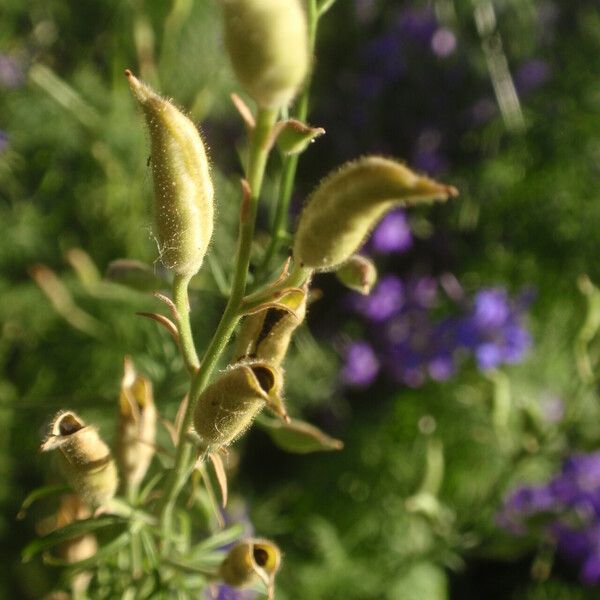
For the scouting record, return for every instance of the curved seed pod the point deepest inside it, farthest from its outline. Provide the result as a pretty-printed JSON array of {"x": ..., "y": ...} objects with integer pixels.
[
  {"x": 358, "y": 273},
  {"x": 85, "y": 459},
  {"x": 228, "y": 406},
  {"x": 182, "y": 185},
  {"x": 347, "y": 204},
  {"x": 266, "y": 335},
  {"x": 250, "y": 560},
  {"x": 267, "y": 42},
  {"x": 137, "y": 426}
]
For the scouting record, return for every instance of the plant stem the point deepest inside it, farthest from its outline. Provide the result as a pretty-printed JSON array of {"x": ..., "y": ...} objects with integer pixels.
[
  {"x": 186, "y": 340},
  {"x": 259, "y": 152},
  {"x": 290, "y": 163}
]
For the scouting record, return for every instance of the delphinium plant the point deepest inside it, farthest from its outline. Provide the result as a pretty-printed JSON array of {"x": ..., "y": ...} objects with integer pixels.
[{"x": 128, "y": 525}]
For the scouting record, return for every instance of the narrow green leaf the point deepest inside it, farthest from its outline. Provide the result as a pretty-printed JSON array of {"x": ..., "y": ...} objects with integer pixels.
[
  {"x": 38, "y": 494},
  {"x": 105, "y": 551},
  {"x": 69, "y": 531},
  {"x": 299, "y": 437},
  {"x": 221, "y": 538}
]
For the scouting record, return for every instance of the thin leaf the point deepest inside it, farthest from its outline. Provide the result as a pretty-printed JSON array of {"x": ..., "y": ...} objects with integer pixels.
[
  {"x": 38, "y": 494},
  {"x": 219, "y": 539},
  {"x": 71, "y": 530},
  {"x": 217, "y": 464},
  {"x": 106, "y": 551},
  {"x": 298, "y": 436}
]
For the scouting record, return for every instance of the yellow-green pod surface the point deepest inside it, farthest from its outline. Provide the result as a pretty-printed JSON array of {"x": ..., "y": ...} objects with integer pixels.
[
  {"x": 347, "y": 204},
  {"x": 85, "y": 459},
  {"x": 183, "y": 188},
  {"x": 248, "y": 560},
  {"x": 358, "y": 273},
  {"x": 228, "y": 406},
  {"x": 267, "y": 42},
  {"x": 266, "y": 335}
]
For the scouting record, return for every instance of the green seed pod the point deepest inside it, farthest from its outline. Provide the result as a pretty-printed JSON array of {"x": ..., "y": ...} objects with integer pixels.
[
  {"x": 182, "y": 185},
  {"x": 85, "y": 459},
  {"x": 347, "y": 204},
  {"x": 267, "y": 42},
  {"x": 358, "y": 273},
  {"x": 137, "y": 426},
  {"x": 250, "y": 560},
  {"x": 228, "y": 406},
  {"x": 266, "y": 335}
]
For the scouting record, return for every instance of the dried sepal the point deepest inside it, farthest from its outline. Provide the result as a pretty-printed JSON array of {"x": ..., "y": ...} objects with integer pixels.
[
  {"x": 293, "y": 136},
  {"x": 137, "y": 426},
  {"x": 183, "y": 187},
  {"x": 347, "y": 204},
  {"x": 85, "y": 459}
]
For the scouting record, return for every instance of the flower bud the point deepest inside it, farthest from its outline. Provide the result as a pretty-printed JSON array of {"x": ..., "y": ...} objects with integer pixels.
[
  {"x": 85, "y": 459},
  {"x": 347, "y": 204},
  {"x": 358, "y": 273},
  {"x": 250, "y": 560},
  {"x": 267, "y": 42},
  {"x": 182, "y": 185},
  {"x": 137, "y": 426},
  {"x": 228, "y": 406},
  {"x": 266, "y": 335}
]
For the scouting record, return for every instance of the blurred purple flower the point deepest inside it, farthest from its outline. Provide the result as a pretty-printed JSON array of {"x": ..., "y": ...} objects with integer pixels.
[
  {"x": 361, "y": 366},
  {"x": 225, "y": 592},
  {"x": 567, "y": 509},
  {"x": 443, "y": 42},
  {"x": 419, "y": 25},
  {"x": 11, "y": 72},
  {"x": 3, "y": 141},
  {"x": 385, "y": 300},
  {"x": 531, "y": 75},
  {"x": 392, "y": 234}
]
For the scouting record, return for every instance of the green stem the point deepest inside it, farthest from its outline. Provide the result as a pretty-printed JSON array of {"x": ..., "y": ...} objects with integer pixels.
[
  {"x": 259, "y": 152},
  {"x": 186, "y": 340},
  {"x": 290, "y": 163}
]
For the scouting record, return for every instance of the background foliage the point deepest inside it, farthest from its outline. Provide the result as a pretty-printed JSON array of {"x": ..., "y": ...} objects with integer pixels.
[{"x": 407, "y": 510}]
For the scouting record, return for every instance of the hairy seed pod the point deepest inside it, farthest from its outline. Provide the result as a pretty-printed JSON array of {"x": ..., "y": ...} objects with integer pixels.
[
  {"x": 85, "y": 459},
  {"x": 358, "y": 273},
  {"x": 347, "y": 204},
  {"x": 266, "y": 335},
  {"x": 228, "y": 406},
  {"x": 267, "y": 42},
  {"x": 183, "y": 188},
  {"x": 137, "y": 427},
  {"x": 250, "y": 560}
]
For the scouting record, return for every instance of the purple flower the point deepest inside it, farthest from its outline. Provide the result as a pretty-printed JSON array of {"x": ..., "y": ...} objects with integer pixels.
[
  {"x": 11, "y": 72},
  {"x": 225, "y": 592},
  {"x": 361, "y": 366},
  {"x": 443, "y": 42},
  {"x": 566, "y": 509},
  {"x": 392, "y": 234},
  {"x": 418, "y": 25},
  {"x": 531, "y": 75},
  {"x": 384, "y": 301},
  {"x": 3, "y": 141}
]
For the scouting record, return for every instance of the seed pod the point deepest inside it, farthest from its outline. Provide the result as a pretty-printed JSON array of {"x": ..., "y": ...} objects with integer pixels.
[
  {"x": 250, "y": 560},
  {"x": 78, "y": 548},
  {"x": 183, "y": 188},
  {"x": 137, "y": 427},
  {"x": 266, "y": 335},
  {"x": 358, "y": 273},
  {"x": 85, "y": 459},
  {"x": 347, "y": 204},
  {"x": 228, "y": 406},
  {"x": 267, "y": 42}
]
